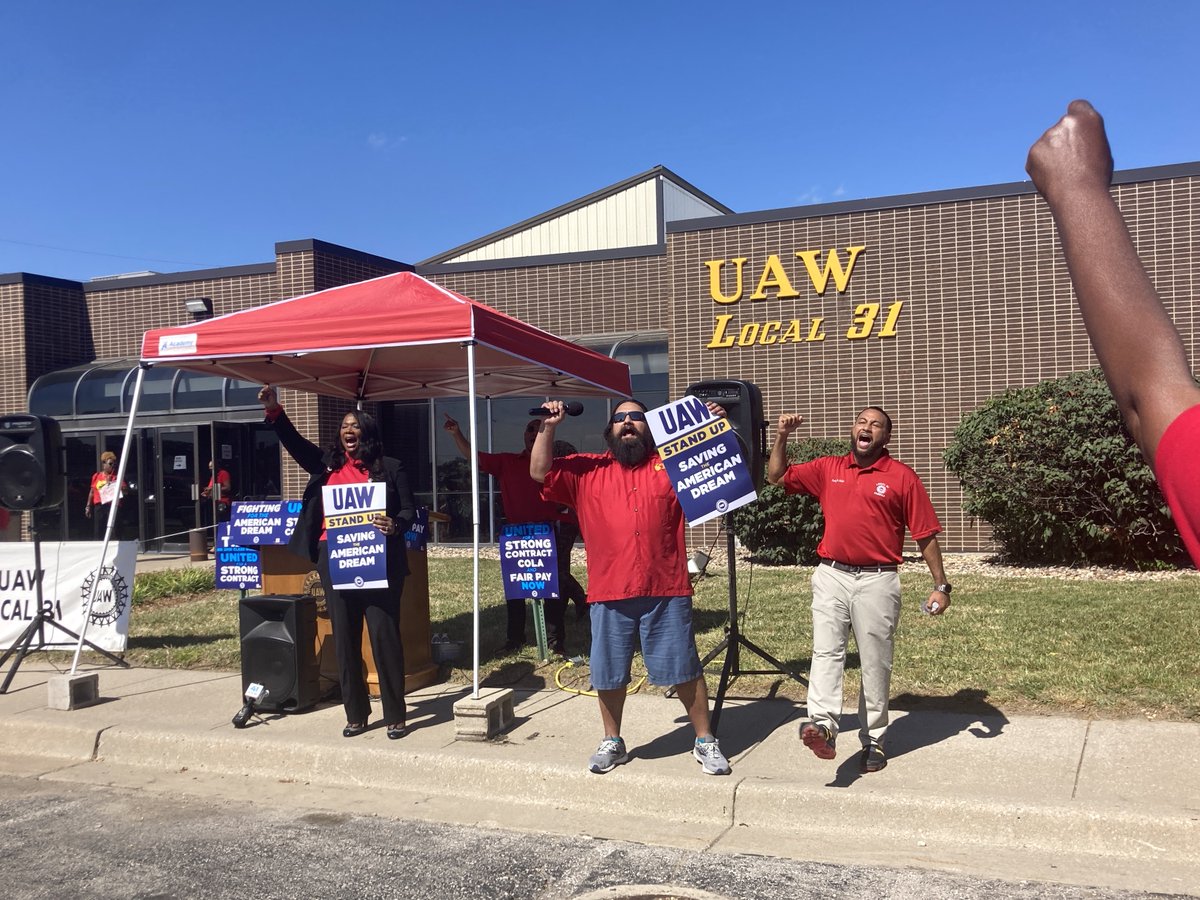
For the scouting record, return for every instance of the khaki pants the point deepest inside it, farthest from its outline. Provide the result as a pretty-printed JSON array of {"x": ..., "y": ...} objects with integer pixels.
[{"x": 870, "y": 604}]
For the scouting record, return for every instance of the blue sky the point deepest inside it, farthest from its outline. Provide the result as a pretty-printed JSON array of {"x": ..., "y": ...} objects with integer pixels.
[{"x": 167, "y": 136}]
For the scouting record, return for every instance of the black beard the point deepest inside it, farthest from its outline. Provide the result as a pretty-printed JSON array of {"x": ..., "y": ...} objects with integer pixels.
[{"x": 630, "y": 453}]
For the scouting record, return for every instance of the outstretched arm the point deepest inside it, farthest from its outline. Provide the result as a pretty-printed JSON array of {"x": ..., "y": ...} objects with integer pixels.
[
  {"x": 460, "y": 439},
  {"x": 1137, "y": 344},
  {"x": 778, "y": 463}
]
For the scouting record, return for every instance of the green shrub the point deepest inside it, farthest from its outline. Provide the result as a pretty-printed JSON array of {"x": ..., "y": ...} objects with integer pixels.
[
  {"x": 783, "y": 530},
  {"x": 1053, "y": 470}
]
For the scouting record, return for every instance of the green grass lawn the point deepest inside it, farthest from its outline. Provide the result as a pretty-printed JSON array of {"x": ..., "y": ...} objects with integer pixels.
[{"x": 1020, "y": 643}]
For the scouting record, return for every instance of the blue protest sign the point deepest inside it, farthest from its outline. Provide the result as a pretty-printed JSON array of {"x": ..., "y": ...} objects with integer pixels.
[
  {"x": 238, "y": 568},
  {"x": 418, "y": 535},
  {"x": 703, "y": 459},
  {"x": 257, "y": 522},
  {"x": 529, "y": 561},
  {"x": 357, "y": 549}
]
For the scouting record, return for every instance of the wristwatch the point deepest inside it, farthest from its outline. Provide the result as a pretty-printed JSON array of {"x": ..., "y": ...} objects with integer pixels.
[{"x": 944, "y": 588}]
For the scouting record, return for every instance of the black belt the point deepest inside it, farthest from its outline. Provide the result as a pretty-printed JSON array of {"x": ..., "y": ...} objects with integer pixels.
[{"x": 855, "y": 570}]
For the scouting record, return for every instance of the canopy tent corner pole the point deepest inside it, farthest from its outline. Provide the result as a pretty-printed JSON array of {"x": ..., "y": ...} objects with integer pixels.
[
  {"x": 472, "y": 418},
  {"x": 112, "y": 516}
]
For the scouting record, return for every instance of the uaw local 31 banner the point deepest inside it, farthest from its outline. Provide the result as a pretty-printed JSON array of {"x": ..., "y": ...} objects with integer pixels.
[
  {"x": 357, "y": 549},
  {"x": 703, "y": 458},
  {"x": 68, "y": 575}
]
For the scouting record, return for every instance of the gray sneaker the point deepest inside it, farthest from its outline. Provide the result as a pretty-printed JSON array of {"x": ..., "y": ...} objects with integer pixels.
[
  {"x": 610, "y": 755},
  {"x": 709, "y": 755}
]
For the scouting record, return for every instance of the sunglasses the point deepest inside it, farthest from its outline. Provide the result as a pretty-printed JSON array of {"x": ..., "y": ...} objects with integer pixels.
[{"x": 634, "y": 415}]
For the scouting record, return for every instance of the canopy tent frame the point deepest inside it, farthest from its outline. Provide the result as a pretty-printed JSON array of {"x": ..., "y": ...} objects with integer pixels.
[{"x": 380, "y": 352}]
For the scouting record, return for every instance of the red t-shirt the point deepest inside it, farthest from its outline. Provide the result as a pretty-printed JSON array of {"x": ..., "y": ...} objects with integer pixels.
[
  {"x": 521, "y": 495},
  {"x": 866, "y": 510},
  {"x": 631, "y": 521},
  {"x": 1179, "y": 478}
]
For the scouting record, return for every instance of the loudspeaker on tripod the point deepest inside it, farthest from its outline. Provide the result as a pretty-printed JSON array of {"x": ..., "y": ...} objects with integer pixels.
[
  {"x": 31, "y": 462},
  {"x": 279, "y": 635},
  {"x": 742, "y": 400}
]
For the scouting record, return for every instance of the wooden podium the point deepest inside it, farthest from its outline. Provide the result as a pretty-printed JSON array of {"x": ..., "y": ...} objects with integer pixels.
[{"x": 284, "y": 572}]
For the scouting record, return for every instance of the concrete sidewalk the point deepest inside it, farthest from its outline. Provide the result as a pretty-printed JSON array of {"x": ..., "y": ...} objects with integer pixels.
[{"x": 1106, "y": 803}]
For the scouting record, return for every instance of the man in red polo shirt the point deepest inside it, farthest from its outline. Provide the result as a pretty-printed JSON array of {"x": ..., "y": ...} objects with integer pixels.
[
  {"x": 638, "y": 584},
  {"x": 523, "y": 503},
  {"x": 868, "y": 500}
]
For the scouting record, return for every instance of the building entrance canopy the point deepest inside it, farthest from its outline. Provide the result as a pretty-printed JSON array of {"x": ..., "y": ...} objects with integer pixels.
[{"x": 391, "y": 338}]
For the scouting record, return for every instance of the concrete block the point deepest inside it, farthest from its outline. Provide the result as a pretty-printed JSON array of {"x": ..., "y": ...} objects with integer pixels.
[
  {"x": 485, "y": 716},
  {"x": 73, "y": 691}
]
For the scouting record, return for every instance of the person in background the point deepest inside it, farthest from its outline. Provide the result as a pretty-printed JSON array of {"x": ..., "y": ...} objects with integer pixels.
[
  {"x": 220, "y": 484},
  {"x": 1140, "y": 351},
  {"x": 638, "y": 583},
  {"x": 355, "y": 457},
  {"x": 523, "y": 504},
  {"x": 868, "y": 500},
  {"x": 102, "y": 493}
]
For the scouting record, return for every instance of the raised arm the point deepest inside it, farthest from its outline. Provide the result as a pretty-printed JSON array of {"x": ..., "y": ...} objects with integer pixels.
[
  {"x": 1137, "y": 344},
  {"x": 777, "y": 464},
  {"x": 306, "y": 454},
  {"x": 460, "y": 439},
  {"x": 541, "y": 457}
]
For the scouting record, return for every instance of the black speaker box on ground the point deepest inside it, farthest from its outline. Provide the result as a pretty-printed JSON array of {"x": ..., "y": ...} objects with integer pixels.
[
  {"x": 31, "y": 462},
  {"x": 742, "y": 400},
  {"x": 279, "y": 637}
]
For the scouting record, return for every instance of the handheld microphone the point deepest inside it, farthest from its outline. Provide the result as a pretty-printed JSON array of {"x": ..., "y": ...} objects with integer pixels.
[{"x": 573, "y": 408}]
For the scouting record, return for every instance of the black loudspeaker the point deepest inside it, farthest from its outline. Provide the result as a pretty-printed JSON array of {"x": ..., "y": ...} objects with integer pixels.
[
  {"x": 742, "y": 400},
  {"x": 31, "y": 462},
  {"x": 279, "y": 650}
]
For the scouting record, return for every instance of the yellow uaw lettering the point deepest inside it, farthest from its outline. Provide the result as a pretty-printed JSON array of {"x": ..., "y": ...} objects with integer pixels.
[
  {"x": 833, "y": 265},
  {"x": 864, "y": 321},
  {"x": 346, "y": 519},
  {"x": 714, "y": 280},
  {"x": 773, "y": 276},
  {"x": 719, "y": 338}
]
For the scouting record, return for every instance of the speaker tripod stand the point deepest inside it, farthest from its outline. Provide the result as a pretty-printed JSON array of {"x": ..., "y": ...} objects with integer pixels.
[
  {"x": 734, "y": 641},
  {"x": 24, "y": 645}
]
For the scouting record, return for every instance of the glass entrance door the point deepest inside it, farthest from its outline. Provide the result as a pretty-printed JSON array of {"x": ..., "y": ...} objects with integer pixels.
[{"x": 178, "y": 483}]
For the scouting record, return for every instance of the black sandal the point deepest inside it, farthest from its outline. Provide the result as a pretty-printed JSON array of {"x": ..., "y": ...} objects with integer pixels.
[
  {"x": 395, "y": 732},
  {"x": 354, "y": 730}
]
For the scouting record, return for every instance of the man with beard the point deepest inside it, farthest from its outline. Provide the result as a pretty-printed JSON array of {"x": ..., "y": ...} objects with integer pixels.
[
  {"x": 868, "y": 499},
  {"x": 638, "y": 585}
]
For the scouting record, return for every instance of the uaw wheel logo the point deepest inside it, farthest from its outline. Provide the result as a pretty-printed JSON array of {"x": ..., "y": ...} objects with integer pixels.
[
  {"x": 722, "y": 505},
  {"x": 111, "y": 596}
]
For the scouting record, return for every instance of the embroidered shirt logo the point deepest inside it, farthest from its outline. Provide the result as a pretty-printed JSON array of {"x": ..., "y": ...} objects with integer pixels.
[{"x": 880, "y": 489}]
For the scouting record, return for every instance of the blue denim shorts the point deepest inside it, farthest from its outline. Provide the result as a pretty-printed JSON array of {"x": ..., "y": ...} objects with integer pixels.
[{"x": 668, "y": 640}]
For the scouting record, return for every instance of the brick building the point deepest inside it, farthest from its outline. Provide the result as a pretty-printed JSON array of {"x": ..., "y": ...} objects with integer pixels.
[{"x": 926, "y": 304}]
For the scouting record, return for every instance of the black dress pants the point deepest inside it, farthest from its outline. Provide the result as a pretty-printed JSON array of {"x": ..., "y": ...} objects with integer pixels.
[{"x": 380, "y": 610}]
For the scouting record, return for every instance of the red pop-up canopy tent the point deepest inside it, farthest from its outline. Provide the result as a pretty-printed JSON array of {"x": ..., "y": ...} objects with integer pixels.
[{"x": 391, "y": 338}]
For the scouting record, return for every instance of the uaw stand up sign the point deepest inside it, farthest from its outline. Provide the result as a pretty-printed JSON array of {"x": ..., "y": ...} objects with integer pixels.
[
  {"x": 703, "y": 457},
  {"x": 357, "y": 549}
]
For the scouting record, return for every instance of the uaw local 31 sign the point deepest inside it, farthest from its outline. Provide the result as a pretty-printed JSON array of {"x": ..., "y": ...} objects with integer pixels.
[
  {"x": 68, "y": 576},
  {"x": 703, "y": 459}
]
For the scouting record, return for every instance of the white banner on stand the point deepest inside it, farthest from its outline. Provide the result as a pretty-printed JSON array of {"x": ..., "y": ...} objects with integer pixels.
[{"x": 68, "y": 575}]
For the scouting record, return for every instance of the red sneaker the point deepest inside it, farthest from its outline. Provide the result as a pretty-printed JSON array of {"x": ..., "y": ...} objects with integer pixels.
[{"x": 819, "y": 740}]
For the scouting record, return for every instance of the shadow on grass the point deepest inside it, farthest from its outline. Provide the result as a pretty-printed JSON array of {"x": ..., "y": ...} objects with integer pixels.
[{"x": 160, "y": 642}]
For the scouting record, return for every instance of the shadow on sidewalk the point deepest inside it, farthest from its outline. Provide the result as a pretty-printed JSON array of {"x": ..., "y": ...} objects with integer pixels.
[{"x": 931, "y": 719}]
